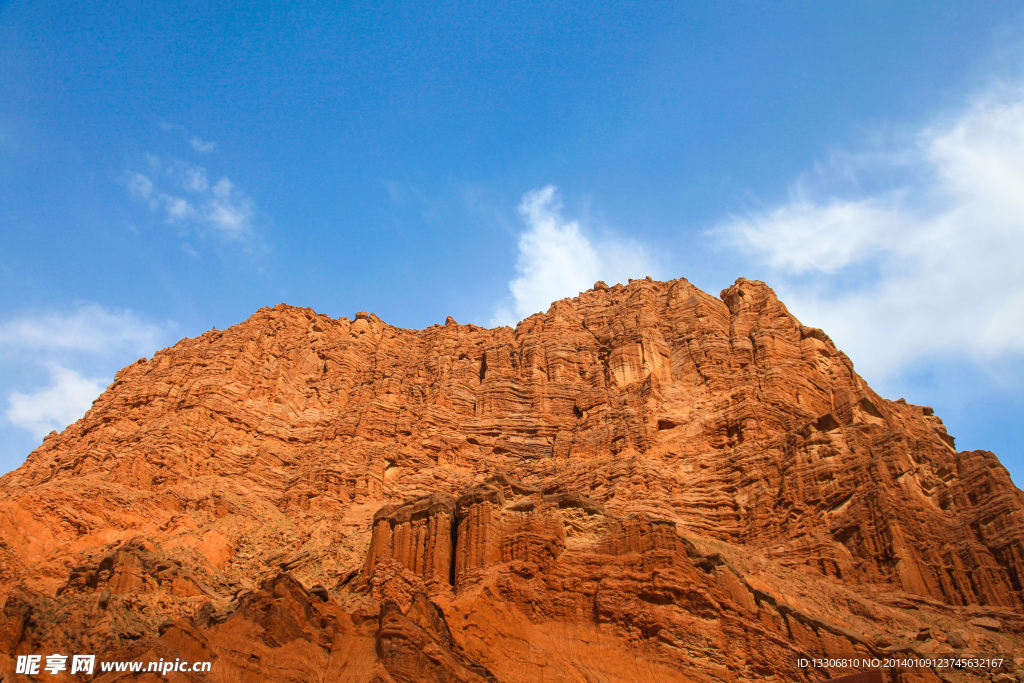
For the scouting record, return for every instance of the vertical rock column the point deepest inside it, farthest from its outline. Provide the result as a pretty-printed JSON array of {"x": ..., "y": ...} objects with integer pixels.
[
  {"x": 479, "y": 532},
  {"x": 417, "y": 534}
]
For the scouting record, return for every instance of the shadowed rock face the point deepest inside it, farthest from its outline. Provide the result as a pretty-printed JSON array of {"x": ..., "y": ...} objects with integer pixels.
[{"x": 645, "y": 483}]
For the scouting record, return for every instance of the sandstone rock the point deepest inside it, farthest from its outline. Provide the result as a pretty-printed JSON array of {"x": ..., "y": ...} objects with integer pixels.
[
  {"x": 957, "y": 639},
  {"x": 986, "y": 623},
  {"x": 876, "y": 676},
  {"x": 644, "y": 483},
  {"x": 418, "y": 535},
  {"x": 411, "y": 653}
]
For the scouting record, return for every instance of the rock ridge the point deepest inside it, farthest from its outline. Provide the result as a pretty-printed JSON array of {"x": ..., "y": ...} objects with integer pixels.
[{"x": 644, "y": 483}]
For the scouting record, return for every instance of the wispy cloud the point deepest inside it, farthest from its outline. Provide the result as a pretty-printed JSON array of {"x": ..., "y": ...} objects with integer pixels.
[
  {"x": 197, "y": 143},
  {"x": 229, "y": 209},
  {"x": 183, "y": 194},
  {"x": 66, "y": 358},
  {"x": 557, "y": 258},
  {"x": 202, "y": 146},
  {"x": 88, "y": 328},
  {"x": 63, "y": 401},
  {"x": 925, "y": 267}
]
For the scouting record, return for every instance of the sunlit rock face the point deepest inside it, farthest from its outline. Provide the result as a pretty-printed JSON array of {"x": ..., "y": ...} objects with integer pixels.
[{"x": 644, "y": 483}]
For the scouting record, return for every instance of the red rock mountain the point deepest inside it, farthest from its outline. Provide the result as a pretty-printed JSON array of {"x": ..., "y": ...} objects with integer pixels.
[{"x": 644, "y": 483}]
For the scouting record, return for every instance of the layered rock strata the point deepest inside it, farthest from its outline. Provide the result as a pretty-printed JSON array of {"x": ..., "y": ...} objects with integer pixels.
[{"x": 643, "y": 483}]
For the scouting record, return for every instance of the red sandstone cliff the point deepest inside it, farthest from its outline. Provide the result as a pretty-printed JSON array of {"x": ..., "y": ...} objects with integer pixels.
[{"x": 645, "y": 483}]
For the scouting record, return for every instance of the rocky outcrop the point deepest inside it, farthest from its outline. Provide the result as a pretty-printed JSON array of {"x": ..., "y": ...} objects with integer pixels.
[
  {"x": 419, "y": 535},
  {"x": 645, "y": 482},
  {"x": 548, "y": 562}
]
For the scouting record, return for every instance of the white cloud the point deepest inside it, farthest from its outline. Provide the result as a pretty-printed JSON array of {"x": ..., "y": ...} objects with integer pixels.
[
  {"x": 202, "y": 146},
  {"x": 929, "y": 268},
  {"x": 803, "y": 235},
  {"x": 139, "y": 186},
  {"x": 178, "y": 209},
  {"x": 64, "y": 401},
  {"x": 88, "y": 328},
  {"x": 558, "y": 259},
  {"x": 195, "y": 142},
  {"x": 221, "y": 207},
  {"x": 194, "y": 179},
  {"x": 229, "y": 209},
  {"x": 62, "y": 360}
]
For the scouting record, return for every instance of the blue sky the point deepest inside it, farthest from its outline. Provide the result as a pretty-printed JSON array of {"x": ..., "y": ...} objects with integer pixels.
[{"x": 166, "y": 168}]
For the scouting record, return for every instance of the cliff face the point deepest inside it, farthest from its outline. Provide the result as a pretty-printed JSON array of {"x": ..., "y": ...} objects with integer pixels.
[{"x": 645, "y": 483}]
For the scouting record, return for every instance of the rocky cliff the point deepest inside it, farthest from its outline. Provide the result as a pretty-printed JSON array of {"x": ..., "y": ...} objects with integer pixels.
[{"x": 644, "y": 483}]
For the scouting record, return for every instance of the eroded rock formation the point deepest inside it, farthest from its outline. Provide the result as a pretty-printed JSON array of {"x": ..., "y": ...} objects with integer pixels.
[{"x": 644, "y": 483}]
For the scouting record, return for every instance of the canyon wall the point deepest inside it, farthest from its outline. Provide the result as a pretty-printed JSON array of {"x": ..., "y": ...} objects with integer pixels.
[{"x": 645, "y": 482}]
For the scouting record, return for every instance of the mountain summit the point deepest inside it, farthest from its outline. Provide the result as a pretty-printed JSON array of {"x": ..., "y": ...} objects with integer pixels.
[{"x": 644, "y": 483}]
